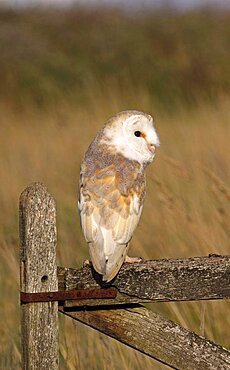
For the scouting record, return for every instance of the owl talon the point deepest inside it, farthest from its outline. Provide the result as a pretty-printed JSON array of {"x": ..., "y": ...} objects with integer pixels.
[
  {"x": 87, "y": 263},
  {"x": 133, "y": 259}
]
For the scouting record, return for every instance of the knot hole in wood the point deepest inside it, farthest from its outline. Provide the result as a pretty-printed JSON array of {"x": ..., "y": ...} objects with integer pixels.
[{"x": 44, "y": 278}]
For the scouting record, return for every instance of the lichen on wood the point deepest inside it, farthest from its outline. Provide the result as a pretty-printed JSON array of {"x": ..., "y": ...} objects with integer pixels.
[
  {"x": 156, "y": 337},
  {"x": 160, "y": 280},
  {"x": 38, "y": 238}
]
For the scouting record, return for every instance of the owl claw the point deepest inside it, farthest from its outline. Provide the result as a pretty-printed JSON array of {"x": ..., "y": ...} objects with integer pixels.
[
  {"x": 133, "y": 259},
  {"x": 87, "y": 263}
]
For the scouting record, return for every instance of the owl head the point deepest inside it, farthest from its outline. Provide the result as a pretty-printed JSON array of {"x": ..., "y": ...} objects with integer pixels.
[{"x": 132, "y": 134}]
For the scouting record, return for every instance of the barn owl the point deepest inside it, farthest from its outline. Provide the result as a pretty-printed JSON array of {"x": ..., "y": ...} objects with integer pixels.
[{"x": 112, "y": 187}]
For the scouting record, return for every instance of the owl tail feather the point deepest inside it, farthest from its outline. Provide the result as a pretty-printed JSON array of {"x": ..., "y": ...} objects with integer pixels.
[
  {"x": 114, "y": 262},
  {"x": 107, "y": 256}
]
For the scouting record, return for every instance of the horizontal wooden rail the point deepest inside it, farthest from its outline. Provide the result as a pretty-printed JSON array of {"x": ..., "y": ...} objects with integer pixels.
[
  {"x": 156, "y": 336},
  {"x": 160, "y": 280}
]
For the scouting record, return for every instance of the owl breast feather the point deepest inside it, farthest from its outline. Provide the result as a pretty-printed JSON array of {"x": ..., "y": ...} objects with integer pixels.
[{"x": 112, "y": 190}]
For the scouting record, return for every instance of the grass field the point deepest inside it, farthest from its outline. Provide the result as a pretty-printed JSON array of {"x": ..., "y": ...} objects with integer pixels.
[{"x": 46, "y": 125}]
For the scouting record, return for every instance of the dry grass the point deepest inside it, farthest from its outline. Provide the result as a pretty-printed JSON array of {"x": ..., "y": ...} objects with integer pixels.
[
  {"x": 186, "y": 214},
  {"x": 174, "y": 56},
  {"x": 174, "y": 66}
]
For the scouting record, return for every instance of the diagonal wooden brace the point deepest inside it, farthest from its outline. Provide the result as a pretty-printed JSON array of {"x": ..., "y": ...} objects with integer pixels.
[{"x": 155, "y": 336}]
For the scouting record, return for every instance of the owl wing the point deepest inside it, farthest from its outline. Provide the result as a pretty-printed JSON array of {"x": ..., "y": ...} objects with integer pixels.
[{"x": 108, "y": 217}]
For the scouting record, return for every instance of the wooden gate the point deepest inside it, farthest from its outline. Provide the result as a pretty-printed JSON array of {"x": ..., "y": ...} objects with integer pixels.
[{"x": 114, "y": 309}]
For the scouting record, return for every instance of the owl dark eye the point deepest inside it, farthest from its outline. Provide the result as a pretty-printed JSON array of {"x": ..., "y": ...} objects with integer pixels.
[{"x": 137, "y": 133}]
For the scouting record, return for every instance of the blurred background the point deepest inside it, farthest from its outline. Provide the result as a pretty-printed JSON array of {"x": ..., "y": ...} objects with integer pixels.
[{"x": 65, "y": 68}]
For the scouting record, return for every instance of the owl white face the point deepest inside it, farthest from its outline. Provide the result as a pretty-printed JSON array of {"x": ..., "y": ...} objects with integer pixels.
[{"x": 134, "y": 137}]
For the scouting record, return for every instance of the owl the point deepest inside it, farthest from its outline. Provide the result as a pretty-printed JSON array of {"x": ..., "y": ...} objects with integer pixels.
[{"x": 112, "y": 187}]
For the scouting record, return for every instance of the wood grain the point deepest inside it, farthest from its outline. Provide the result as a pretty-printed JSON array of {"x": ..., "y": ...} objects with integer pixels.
[
  {"x": 155, "y": 336},
  {"x": 38, "y": 238},
  {"x": 160, "y": 280}
]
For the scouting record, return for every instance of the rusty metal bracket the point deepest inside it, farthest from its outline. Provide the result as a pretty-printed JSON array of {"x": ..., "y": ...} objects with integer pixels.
[{"x": 64, "y": 295}]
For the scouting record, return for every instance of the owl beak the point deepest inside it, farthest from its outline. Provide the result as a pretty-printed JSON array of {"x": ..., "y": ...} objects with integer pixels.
[{"x": 151, "y": 148}]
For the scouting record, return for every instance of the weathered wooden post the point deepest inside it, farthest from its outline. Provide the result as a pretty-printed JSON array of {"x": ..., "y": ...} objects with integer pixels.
[{"x": 38, "y": 270}]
